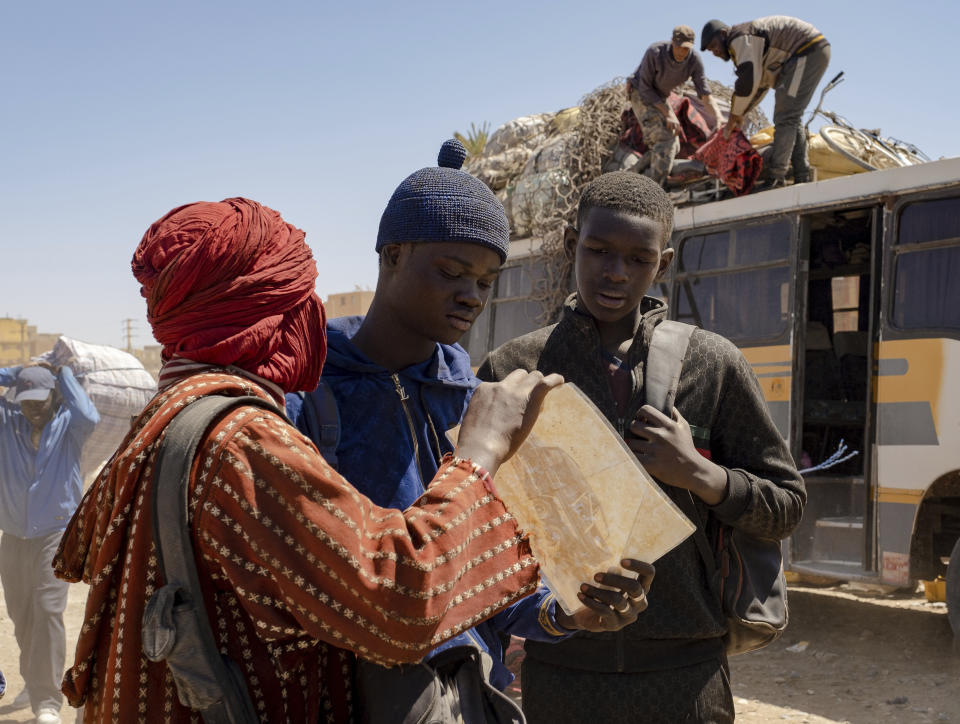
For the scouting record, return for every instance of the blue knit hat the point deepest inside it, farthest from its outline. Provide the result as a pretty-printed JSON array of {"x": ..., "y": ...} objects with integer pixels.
[{"x": 445, "y": 204}]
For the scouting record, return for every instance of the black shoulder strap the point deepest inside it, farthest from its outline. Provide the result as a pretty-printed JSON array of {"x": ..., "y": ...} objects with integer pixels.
[
  {"x": 321, "y": 417},
  {"x": 175, "y": 549},
  {"x": 668, "y": 346}
]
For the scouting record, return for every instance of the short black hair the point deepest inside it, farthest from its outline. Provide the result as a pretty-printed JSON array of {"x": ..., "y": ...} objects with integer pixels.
[{"x": 629, "y": 193}]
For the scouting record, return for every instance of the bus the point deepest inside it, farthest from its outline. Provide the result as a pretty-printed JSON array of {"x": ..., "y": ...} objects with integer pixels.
[{"x": 844, "y": 296}]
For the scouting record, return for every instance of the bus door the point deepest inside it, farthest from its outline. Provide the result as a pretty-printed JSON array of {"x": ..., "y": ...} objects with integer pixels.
[{"x": 838, "y": 301}]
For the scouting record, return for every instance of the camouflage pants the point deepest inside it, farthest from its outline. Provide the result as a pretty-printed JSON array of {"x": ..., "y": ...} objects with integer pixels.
[{"x": 662, "y": 145}]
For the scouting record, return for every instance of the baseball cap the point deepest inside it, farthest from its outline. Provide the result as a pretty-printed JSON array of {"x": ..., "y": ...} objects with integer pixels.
[
  {"x": 683, "y": 36},
  {"x": 33, "y": 383}
]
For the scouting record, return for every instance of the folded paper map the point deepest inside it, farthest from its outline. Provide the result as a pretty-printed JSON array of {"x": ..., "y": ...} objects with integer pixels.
[{"x": 584, "y": 498}]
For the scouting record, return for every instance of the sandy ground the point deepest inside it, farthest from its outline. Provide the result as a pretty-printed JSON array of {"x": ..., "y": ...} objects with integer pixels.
[
  {"x": 865, "y": 658},
  {"x": 10, "y": 652}
]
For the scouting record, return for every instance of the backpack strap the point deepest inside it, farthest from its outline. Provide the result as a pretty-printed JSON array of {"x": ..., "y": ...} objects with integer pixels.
[
  {"x": 319, "y": 420},
  {"x": 206, "y": 680},
  {"x": 668, "y": 346}
]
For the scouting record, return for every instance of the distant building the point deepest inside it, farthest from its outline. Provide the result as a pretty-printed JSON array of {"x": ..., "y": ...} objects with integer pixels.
[
  {"x": 348, "y": 304},
  {"x": 149, "y": 357},
  {"x": 20, "y": 342}
]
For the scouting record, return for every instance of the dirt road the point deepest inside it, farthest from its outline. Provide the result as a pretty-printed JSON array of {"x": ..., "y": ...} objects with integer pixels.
[{"x": 865, "y": 659}]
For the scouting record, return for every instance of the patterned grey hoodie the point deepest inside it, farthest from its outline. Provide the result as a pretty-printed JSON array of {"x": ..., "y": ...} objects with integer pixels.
[{"x": 721, "y": 399}]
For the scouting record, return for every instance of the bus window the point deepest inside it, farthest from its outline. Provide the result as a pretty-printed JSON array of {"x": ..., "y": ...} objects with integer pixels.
[
  {"x": 510, "y": 312},
  {"x": 927, "y": 266},
  {"x": 732, "y": 282},
  {"x": 701, "y": 253},
  {"x": 758, "y": 244},
  {"x": 477, "y": 340}
]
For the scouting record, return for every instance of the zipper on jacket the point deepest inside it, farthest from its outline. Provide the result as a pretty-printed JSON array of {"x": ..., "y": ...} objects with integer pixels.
[
  {"x": 438, "y": 452},
  {"x": 402, "y": 394}
]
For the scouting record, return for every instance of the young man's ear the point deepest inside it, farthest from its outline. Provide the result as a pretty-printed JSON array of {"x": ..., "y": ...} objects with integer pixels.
[
  {"x": 391, "y": 256},
  {"x": 570, "y": 238},
  {"x": 666, "y": 256}
]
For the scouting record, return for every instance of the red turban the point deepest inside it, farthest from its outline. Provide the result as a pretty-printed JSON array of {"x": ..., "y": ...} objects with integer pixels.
[{"x": 232, "y": 283}]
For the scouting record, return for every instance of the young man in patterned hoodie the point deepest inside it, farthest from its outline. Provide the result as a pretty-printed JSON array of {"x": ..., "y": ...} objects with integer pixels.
[
  {"x": 400, "y": 381},
  {"x": 720, "y": 446}
]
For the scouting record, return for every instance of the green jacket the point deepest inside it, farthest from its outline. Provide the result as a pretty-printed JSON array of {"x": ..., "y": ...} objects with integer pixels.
[{"x": 721, "y": 399}]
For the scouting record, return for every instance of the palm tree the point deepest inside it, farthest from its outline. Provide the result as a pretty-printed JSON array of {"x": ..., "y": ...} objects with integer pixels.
[{"x": 475, "y": 141}]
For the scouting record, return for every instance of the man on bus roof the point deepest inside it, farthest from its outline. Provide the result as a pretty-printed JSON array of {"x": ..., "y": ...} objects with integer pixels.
[
  {"x": 665, "y": 66},
  {"x": 779, "y": 52}
]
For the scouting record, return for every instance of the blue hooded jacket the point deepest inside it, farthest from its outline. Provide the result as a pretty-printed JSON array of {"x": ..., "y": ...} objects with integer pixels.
[{"x": 392, "y": 437}]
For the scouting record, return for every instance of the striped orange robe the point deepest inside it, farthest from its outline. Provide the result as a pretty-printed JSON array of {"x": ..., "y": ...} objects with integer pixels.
[{"x": 299, "y": 569}]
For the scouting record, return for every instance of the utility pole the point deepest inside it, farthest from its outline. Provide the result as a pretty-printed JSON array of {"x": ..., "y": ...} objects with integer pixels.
[{"x": 128, "y": 333}]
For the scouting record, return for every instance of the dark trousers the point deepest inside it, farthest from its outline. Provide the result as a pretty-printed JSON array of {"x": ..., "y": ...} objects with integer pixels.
[
  {"x": 35, "y": 601},
  {"x": 698, "y": 693},
  {"x": 795, "y": 86}
]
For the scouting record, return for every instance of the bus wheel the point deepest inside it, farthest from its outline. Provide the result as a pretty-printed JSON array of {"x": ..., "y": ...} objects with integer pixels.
[{"x": 953, "y": 594}]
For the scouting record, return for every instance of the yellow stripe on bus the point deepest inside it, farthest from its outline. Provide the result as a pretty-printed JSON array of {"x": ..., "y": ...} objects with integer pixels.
[
  {"x": 775, "y": 361},
  {"x": 923, "y": 378},
  {"x": 909, "y": 496}
]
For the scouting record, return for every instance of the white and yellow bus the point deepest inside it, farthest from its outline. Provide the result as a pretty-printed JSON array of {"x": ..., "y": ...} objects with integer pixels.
[{"x": 844, "y": 295}]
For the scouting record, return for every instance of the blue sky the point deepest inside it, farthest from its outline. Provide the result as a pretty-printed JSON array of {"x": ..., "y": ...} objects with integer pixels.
[{"x": 114, "y": 113}]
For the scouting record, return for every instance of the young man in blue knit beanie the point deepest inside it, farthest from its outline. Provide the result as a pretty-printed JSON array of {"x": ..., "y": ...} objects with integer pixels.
[{"x": 400, "y": 381}]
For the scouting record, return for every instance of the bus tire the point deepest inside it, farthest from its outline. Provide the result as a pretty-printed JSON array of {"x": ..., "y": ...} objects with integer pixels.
[{"x": 953, "y": 594}]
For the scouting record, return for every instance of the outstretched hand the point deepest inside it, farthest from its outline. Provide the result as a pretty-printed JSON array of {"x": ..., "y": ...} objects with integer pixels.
[
  {"x": 610, "y": 610},
  {"x": 500, "y": 416},
  {"x": 733, "y": 123},
  {"x": 673, "y": 125}
]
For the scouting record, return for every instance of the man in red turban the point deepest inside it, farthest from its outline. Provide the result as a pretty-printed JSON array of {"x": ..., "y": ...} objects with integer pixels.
[{"x": 298, "y": 569}]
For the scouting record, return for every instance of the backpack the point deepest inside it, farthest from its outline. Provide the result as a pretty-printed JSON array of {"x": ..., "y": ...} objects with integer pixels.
[
  {"x": 744, "y": 572},
  {"x": 175, "y": 626},
  {"x": 321, "y": 419}
]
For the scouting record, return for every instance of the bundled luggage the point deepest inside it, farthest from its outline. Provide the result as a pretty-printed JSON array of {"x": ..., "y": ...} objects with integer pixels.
[{"x": 117, "y": 384}]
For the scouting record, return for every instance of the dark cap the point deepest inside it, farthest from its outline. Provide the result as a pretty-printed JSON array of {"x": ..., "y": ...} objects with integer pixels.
[
  {"x": 709, "y": 30},
  {"x": 683, "y": 36},
  {"x": 33, "y": 383}
]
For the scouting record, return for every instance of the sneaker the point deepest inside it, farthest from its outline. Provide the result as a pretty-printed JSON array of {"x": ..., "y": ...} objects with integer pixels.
[
  {"x": 48, "y": 715},
  {"x": 769, "y": 184}
]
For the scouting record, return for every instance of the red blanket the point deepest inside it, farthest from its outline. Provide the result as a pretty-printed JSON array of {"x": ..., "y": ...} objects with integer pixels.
[
  {"x": 733, "y": 160},
  {"x": 695, "y": 129}
]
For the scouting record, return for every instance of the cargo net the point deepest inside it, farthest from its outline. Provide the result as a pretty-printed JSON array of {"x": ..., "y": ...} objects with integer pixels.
[{"x": 539, "y": 166}]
